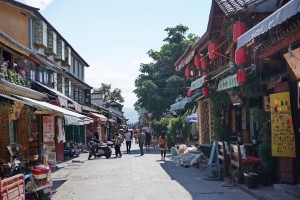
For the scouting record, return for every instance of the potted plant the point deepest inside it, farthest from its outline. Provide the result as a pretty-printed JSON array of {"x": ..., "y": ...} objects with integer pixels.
[{"x": 250, "y": 176}]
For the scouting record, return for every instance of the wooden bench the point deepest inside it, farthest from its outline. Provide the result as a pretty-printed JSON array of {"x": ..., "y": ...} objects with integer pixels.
[
  {"x": 223, "y": 155},
  {"x": 239, "y": 161}
]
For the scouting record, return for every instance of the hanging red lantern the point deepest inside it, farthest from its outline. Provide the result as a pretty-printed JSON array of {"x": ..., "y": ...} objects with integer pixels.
[
  {"x": 197, "y": 61},
  {"x": 187, "y": 72},
  {"x": 203, "y": 63},
  {"x": 205, "y": 91},
  {"x": 241, "y": 76},
  {"x": 190, "y": 93},
  {"x": 238, "y": 29},
  {"x": 241, "y": 56},
  {"x": 213, "y": 50}
]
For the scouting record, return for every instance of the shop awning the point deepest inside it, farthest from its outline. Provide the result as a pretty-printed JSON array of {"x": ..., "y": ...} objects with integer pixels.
[
  {"x": 279, "y": 16},
  {"x": 181, "y": 104},
  {"x": 101, "y": 117},
  {"x": 62, "y": 98},
  {"x": 71, "y": 118}
]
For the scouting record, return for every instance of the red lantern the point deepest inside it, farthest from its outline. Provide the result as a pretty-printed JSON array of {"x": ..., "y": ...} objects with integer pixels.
[
  {"x": 203, "y": 63},
  {"x": 241, "y": 76},
  {"x": 190, "y": 93},
  {"x": 213, "y": 50},
  {"x": 205, "y": 91},
  {"x": 238, "y": 29},
  {"x": 187, "y": 72},
  {"x": 197, "y": 61},
  {"x": 241, "y": 56}
]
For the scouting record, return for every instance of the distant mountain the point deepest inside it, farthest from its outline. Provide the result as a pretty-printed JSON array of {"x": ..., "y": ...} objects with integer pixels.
[{"x": 131, "y": 114}]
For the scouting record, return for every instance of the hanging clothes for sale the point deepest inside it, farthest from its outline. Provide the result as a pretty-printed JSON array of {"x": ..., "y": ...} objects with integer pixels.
[{"x": 61, "y": 137}]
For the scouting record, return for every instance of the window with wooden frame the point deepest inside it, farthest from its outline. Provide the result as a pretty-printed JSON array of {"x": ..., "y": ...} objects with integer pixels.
[{"x": 39, "y": 33}]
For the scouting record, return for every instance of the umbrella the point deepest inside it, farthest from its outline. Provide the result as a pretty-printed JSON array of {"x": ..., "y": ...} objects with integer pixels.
[
  {"x": 147, "y": 129},
  {"x": 192, "y": 118}
]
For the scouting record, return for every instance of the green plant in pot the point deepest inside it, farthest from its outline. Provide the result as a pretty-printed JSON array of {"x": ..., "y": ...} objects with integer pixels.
[
  {"x": 250, "y": 176},
  {"x": 268, "y": 163}
]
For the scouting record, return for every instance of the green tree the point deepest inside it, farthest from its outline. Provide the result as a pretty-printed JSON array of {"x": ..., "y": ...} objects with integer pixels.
[
  {"x": 109, "y": 94},
  {"x": 159, "y": 84}
]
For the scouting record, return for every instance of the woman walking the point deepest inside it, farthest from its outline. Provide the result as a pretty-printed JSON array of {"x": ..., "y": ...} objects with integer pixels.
[
  {"x": 162, "y": 144},
  {"x": 118, "y": 145}
]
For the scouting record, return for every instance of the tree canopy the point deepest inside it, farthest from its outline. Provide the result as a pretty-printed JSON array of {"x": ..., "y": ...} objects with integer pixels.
[
  {"x": 109, "y": 94},
  {"x": 159, "y": 84}
]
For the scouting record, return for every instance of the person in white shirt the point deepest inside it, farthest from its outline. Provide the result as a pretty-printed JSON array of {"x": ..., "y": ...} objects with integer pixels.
[{"x": 128, "y": 138}]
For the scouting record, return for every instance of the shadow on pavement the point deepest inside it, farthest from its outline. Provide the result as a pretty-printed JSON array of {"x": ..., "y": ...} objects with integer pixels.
[{"x": 57, "y": 184}]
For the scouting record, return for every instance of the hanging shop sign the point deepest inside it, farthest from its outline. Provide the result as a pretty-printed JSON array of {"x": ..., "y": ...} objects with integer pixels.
[
  {"x": 198, "y": 83},
  {"x": 228, "y": 82},
  {"x": 283, "y": 137},
  {"x": 48, "y": 128},
  {"x": 293, "y": 59}
]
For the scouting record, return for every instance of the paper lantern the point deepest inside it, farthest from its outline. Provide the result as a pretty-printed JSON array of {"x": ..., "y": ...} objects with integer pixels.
[
  {"x": 197, "y": 61},
  {"x": 187, "y": 72},
  {"x": 238, "y": 29},
  {"x": 205, "y": 91},
  {"x": 241, "y": 76},
  {"x": 190, "y": 93},
  {"x": 213, "y": 50},
  {"x": 203, "y": 63},
  {"x": 241, "y": 56}
]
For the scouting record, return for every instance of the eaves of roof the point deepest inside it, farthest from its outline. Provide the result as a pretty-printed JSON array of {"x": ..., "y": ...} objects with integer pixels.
[{"x": 38, "y": 14}]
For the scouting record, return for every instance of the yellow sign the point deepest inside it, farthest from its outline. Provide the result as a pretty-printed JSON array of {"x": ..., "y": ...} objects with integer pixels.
[{"x": 283, "y": 137}]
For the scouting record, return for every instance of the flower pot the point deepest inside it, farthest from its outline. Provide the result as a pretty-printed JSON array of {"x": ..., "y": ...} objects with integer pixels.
[{"x": 251, "y": 180}]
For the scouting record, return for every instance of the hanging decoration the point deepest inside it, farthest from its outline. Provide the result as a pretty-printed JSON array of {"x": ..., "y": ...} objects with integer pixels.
[
  {"x": 190, "y": 93},
  {"x": 238, "y": 29},
  {"x": 197, "y": 61},
  {"x": 205, "y": 91},
  {"x": 203, "y": 63},
  {"x": 213, "y": 50},
  {"x": 241, "y": 56},
  {"x": 187, "y": 72},
  {"x": 241, "y": 77}
]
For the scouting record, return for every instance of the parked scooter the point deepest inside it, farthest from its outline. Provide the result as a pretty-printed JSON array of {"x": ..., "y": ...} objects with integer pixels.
[
  {"x": 37, "y": 184},
  {"x": 99, "y": 149}
]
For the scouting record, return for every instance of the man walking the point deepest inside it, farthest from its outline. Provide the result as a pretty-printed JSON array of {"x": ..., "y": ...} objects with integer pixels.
[
  {"x": 128, "y": 139},
  {"x": 142, "y": 138}
]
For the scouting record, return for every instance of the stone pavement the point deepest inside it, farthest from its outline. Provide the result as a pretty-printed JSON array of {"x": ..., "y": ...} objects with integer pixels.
[{"x": 142, "y": 177}]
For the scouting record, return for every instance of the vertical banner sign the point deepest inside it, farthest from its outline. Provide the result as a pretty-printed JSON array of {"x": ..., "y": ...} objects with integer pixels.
[
  {"x": 11, "y": 131},
  {"x": 283, "y": 137},
  {"x": 48, "y": 128}
]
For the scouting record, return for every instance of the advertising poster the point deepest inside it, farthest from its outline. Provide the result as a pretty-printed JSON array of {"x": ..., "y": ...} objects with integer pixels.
[
  {"x": 283, "y": 137},
  {"x": 48, "y": 128}
]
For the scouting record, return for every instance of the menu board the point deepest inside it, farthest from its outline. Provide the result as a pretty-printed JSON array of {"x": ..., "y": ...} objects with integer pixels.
[
  {"x": 48, "y": 128},
  {"x": 283, "y": 137}
]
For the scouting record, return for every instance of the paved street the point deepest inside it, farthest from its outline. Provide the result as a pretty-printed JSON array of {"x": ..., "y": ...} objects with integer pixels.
[{"x": 136, "y": 177}]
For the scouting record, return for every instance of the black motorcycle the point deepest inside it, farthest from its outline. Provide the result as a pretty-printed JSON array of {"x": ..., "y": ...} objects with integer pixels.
[{"x": 98, "y": 150}]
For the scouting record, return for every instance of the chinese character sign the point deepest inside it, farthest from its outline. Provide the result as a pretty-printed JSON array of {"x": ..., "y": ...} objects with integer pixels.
[
  {"x": 48, "y": 128},
  {"x": 283, "y": 137}
]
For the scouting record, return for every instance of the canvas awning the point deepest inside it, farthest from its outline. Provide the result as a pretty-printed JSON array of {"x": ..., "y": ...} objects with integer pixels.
[
  {"x": 71, "y": 118},
  {"x": 61, "y": 97},
  {"x": 228, "y": 82},
  {"x": 181, "y": 104},
  {"x": 279, "y": 16},
  {"x": 101, "y": 117},
  {"x": 197, "y": 83}
]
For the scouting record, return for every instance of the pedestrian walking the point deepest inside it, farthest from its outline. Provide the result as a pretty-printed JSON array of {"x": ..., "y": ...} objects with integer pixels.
[
  {"x": 148, "y": 140},
  {"x": 162, "y": 145},
  {"x": 118, "y": 145},
  {"x": 128, "y": 138},
  {"x": 142, "y": 138}
]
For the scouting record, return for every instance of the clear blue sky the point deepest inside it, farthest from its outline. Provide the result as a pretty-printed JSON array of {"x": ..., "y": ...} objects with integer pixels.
[{"x": 113, "y": 36}]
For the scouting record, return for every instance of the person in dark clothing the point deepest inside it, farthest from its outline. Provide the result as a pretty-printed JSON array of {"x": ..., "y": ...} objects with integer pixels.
[
  {"x": 96, "y": 137},
  {"x": 142, "y": 139},
  {"x": 148, "y": 140}
]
